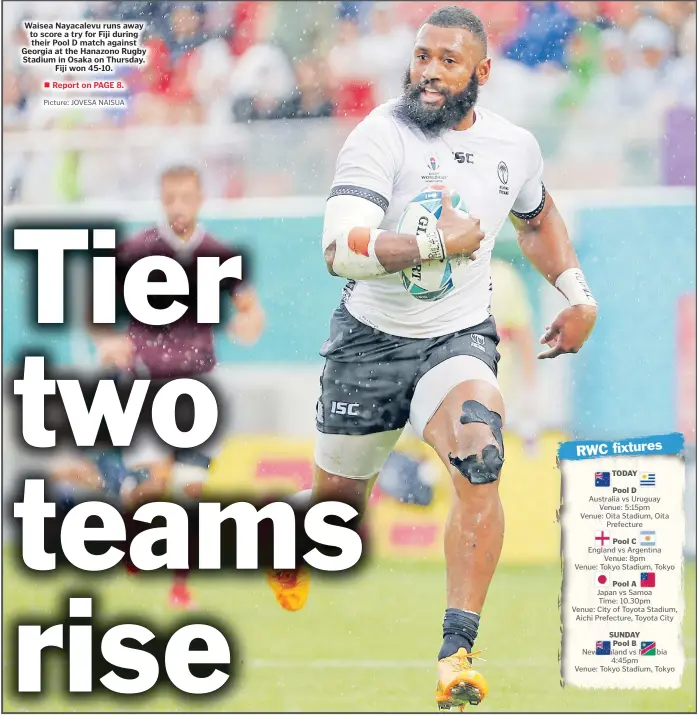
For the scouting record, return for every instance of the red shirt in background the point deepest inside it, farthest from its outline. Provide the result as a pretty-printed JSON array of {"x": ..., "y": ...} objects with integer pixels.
[
  {"x": 185, "y": 347},
  {"x": 245, "y": 21},
  {"x": 502, "y": 20}
]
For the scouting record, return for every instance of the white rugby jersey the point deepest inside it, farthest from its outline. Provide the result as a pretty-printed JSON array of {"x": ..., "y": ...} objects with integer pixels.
[{"x": 495, "y": 166}]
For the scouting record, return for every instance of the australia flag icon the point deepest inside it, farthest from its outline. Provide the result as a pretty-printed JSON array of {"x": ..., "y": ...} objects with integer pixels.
[{"x": 602, "y": 480}]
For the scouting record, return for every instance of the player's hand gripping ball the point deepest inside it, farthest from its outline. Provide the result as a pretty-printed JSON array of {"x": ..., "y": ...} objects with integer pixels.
[{"x": 433, "y": 279}]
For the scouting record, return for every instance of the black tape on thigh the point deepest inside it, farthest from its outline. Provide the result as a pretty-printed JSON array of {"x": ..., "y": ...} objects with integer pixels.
[
  {"x": 475, "y": 412},
  {"x": 486, "y": 469}
]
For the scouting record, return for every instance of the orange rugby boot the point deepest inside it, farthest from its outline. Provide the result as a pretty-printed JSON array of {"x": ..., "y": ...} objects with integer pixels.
[
  {"x": 291, "y": 587},
  {"x": 458, "y": 683}
]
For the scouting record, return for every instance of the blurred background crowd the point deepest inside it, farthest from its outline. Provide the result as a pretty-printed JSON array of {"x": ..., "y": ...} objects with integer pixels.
[
  {"x": 609, "y": 73},
  {"x": 236, "y": 61},
  {"x": 621, "y": 67}
]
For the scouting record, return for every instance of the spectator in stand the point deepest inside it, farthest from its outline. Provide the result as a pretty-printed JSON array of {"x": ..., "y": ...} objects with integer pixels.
[
  {"x": 164, "y": 89},
  {"x": 351, "y": 70},
  {"x": 212, "y": 69},
  {"x": 148, "y": 87},
  {"x": 621, "y": 13},
  {"x": 185, "y": 29},
  {"x": 249, "y": 21},
  {"x": 312, "y": 97},
  {"x": 184, "y": 38},
  {"x": 303, "y": 29},
  {"x": 32, "y": 75},
  {"x": 520, "y": 93},
  {"x": 346, "y": 58},
  {"x": 650, "y": 49},
  {"x": 607, "y": 88},
  {"x": 14, "y": 101},
  {"x": 387, "y": 42},
  {"x": 263, "y": 81},
  {"x": 353, "y": 11},
  {"x": 154, "y": 14},
  {"x": 673, "y": 13},
  {"x": 544, "y": 36},
  {"x": 588, "y": 11},
  {"x": 14, "y": 117},
  {"x": 583, "y": 53},
  {"x": 503, "y": 20},
  {"x": 682, "y": 74}
]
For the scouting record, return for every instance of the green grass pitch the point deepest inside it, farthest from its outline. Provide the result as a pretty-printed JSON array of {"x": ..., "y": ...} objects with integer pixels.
[{"x": 365, "y": 643}]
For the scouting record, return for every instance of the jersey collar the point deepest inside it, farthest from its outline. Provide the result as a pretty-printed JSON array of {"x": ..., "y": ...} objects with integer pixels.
[
  {"x": 182, "y": 248},
  {"x": 475, "y": 127}
]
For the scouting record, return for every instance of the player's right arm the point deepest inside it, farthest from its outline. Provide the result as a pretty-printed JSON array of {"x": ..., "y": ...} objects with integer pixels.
[
  {"x": 114, "y": 348},
  {"x": 354, "y": 247}
]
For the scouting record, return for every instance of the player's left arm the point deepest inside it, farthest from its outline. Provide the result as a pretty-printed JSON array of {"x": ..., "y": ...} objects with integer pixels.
[
  {"x": 247, "y": 323},
  {"x": 155, "y": 488},
  {"x": 544, "y": 240}
]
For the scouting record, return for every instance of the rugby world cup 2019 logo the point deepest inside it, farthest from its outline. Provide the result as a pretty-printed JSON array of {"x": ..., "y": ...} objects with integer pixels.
[{"x": 434, "y": 174}]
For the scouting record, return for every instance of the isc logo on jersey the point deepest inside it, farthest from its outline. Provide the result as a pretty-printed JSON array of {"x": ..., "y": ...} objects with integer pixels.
[{"x": 433, "y": 279}]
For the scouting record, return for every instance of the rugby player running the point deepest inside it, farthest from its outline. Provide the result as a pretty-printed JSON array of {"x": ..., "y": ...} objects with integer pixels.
[
  {"x": 183, "y": 349},
  {"x": 392, "y": 358}
]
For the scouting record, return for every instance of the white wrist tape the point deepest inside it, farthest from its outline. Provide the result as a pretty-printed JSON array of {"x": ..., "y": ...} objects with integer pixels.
[
  {"x": 374, "y": 234},
  {"x": 431, "y": 245},
  {"x": 353, "y": 265},
  {"x": 342, "y": 214},
  {"x": 573, "y": 285}
]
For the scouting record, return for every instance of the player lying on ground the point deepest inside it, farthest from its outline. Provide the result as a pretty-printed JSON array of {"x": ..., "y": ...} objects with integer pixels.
[
  {"x": 394, "y": 358},
  {"x": 184, "y": 349}
]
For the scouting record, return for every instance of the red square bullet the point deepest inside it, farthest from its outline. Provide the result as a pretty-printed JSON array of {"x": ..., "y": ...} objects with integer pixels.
[{"x": 47, "y": 84}]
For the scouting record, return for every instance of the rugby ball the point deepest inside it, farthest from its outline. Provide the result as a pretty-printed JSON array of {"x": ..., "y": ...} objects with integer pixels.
[{"x": 433, "y": 279}]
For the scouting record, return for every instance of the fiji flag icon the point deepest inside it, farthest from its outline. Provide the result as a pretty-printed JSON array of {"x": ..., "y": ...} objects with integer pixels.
[
  {"x": 602, "y": 647},
  {"x": 602, "y": 480}
]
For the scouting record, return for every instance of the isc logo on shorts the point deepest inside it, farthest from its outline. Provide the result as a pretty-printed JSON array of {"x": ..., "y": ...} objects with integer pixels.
[{"x": 344, "y": 409}]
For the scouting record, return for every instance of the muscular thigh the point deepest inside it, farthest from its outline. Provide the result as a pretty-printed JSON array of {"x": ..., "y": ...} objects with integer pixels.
[
  {"x": 365, "y": 392},
  {"x": 446, "y": 430},
  {"x": 465, "y": 431},
  {"x": 457, "y": 407}
]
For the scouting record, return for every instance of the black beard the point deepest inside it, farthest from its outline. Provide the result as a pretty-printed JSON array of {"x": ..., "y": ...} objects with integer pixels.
[{"x": 433, "y": 121}]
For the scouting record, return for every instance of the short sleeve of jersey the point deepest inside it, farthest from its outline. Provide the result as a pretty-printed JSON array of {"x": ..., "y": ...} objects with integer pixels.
[
  {"x": 367, "y": 164},
  {"x": 532, "y": 195}
]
